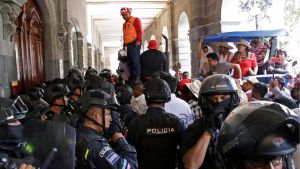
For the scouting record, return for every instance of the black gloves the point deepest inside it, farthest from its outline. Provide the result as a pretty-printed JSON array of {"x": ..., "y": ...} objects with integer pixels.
[{"x": 116, "y": 125}]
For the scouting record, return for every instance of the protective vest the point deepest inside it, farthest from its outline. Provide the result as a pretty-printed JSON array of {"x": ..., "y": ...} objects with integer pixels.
[{"x": 129, "y": 32}]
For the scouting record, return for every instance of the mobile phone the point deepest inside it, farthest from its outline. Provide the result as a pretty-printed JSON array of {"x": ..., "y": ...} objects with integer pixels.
[{"x": 273, "y": 76}]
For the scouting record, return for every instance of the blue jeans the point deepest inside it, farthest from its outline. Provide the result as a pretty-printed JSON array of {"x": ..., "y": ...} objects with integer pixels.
[{"x": 133, "y": 55}]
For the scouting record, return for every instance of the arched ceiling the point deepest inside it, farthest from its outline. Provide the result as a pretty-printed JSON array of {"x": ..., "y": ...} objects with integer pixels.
[{"x": 105, "y": 14}]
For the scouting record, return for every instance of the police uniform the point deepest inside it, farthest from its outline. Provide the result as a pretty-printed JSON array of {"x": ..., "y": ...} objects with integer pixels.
[
  {"x": 214, "y": 114},
  {"x": 126, "y": 114},
  {"x": 156, "y": 135},
  {"x": 193, "y": 133},
  {"x": 93, "y": 151}
]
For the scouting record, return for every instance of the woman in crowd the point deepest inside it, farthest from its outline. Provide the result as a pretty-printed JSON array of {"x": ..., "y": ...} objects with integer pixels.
[{"x": 245, "y": 59}]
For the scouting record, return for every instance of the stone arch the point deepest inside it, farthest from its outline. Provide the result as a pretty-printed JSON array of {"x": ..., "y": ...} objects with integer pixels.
[{"x": 184, "y": 51}]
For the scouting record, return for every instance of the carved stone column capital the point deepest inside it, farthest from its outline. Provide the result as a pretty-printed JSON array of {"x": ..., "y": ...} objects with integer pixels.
[
  {"x": 10, "y": 10},
  {"x": 62, "y": 33}
]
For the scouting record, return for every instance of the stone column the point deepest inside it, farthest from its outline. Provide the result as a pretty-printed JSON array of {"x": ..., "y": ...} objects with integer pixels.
[
  {"x": 67, "y": 51},
  {"x": 90, "y": 54},
  {"x": 9, "y": 11},
  {"x": 63, "y": 39},
  {"x": 80, "y": 47}
]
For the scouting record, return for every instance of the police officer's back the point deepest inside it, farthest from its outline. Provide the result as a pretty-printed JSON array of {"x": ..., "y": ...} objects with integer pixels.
[
  {"x": 156, "y": 134},
  {"x": 92, "y": 149}
]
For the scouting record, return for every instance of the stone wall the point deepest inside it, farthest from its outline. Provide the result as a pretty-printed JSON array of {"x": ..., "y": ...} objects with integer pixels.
[
  {"x": 8, "y": 14},
  {"x": 204, "y": 18}
]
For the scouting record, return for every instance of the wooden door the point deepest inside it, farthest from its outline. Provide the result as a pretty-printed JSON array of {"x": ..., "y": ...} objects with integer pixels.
[{"x": 28, "y": 45}]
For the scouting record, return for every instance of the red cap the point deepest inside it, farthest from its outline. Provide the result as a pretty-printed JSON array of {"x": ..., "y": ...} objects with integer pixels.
[
  {"x": 125, "y": 10},
  {"x": 153, "y": 44}
]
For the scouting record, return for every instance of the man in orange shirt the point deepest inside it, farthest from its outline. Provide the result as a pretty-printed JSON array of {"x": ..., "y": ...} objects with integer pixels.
[{"x": 132, "y": 38}]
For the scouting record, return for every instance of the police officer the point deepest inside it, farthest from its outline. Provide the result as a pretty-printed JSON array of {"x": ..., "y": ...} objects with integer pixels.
[
  {"x": 106, "y": 74},
  {"x": 217, "y": 97},
  {"x": 11, "y": 132},
  {"x": 157, "y": 133},
  {"x": 259, "y": 135},
  {"x": 56, "y": 97},
  {"x": 90, "y": 72},
  {"x": 75, "y": 73},
  {"x": 75, "y": 85},
  {"x": 92, "y": 149},
  {"x": 124, "y": 95}
]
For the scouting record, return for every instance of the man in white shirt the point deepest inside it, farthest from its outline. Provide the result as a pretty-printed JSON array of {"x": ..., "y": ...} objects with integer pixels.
[{"x": 224, "y": 54}]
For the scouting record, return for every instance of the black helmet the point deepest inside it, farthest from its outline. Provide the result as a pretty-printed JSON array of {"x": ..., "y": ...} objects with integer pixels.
[
  {"x": 97, "y": 97},
  {"x": 36, "y": 107},
  {"x": 258, "y": 129},
  {"x": 74, "y": 83},
  {"x": 55, "y": 91},
  {"x": 106, "y": 74},
  {"x": 75, "y": 72},
  {"x": 95, "y": 82},
  {"x": 124, "y": 94},
  {"x": 36, "y": 93},
  {"x": 11, "y": 110},
  {"x": 90, "y": 72},
  {"x": 214, "y": 85},
  {"x": 157, "y": 91},
  {"x": 172, "y": 81}
]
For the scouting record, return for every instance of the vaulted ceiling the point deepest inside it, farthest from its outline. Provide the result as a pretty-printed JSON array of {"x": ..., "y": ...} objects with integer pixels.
[{"x": 105, "y": 14}]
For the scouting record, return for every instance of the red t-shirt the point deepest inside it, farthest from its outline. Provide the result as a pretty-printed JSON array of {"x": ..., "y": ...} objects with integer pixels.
[
  {"x": 183, "y": 82},
  {"x": 245, "y": 64}
]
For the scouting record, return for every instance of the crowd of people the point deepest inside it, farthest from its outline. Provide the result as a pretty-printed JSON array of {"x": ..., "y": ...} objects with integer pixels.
[{"x": 145, "y": 117}]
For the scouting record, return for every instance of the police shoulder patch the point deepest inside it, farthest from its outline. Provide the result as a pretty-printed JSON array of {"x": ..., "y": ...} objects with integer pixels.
[{"x": 109, "y": 155}]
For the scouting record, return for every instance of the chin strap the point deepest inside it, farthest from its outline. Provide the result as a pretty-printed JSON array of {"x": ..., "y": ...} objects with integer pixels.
[{"x": 96, "y": 123}]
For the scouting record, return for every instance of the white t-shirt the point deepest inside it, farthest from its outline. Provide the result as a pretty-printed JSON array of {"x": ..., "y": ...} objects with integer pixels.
[
  {"x": 181, "y": 109},
  {"x": 203, "y": 61},
  {"x": 139, "y": 104}
]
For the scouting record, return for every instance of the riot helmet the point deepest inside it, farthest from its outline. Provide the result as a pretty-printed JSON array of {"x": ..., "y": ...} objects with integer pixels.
[
  {"x": 157, "y": 91},
  {"x": 106, "y": 74},
  {"x": 36, "y": 93},
  {"x": 95, "y": 82},
  {"x": 90, "y": 72},
  {"x": 258, "y": 132},
  {"x": 12, "y": 110},
  {"x": 97, "y": 98},
  {"x": 36, "y": 107},
  {"x": 55, "y": 91},
  {"x": 74, "y": 83},
  {"x": 172, "y": 81},
  {"x": 75, "y": 72},
  {"x": 124, "y": 94},
  {"x": 218, "y": 84}
]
